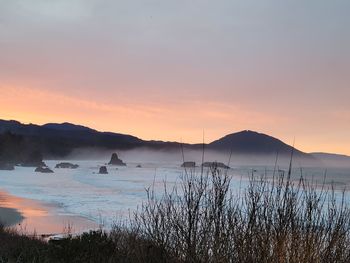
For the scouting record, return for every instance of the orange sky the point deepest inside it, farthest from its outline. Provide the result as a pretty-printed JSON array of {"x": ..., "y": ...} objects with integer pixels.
[
  {"x": 170, "y": 69},
  {"x": 169, "y": 121}
]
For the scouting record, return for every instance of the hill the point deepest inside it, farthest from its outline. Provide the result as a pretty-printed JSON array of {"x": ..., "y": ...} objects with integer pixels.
[
  {"x": 56, "y": 140},
  {"x": 250, "y": 142},
  {"x": 60, "y": 139}
]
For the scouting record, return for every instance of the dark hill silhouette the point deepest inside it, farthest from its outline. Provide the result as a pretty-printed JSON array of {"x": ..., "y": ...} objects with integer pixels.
[
  {"x": 66, "y": 126},
  {"x": 65, "y": 130},
  {"x": 58, "y": 140},
  {"x": 250, "y": 142}
]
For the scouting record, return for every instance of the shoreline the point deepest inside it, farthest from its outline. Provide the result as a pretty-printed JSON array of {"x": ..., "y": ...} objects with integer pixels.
[
  {"x": 10, "y": 217},
  {"x": 34, "y": 217}
]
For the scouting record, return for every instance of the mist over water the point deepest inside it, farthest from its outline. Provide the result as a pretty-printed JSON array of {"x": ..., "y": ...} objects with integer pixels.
[
  {"x": 331, "y": 171},
  {"x": 144, "y": 155},
  {"x": 147, "y": 155}
]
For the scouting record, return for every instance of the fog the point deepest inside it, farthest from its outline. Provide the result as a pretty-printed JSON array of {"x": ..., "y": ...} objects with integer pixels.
[{"x": 146, "y": 155}]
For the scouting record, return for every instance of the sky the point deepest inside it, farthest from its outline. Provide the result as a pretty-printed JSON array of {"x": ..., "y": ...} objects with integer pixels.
[{"x": 171, "y": 69}]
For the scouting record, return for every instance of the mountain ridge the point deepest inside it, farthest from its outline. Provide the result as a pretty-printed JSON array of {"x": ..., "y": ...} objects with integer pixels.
[{"x": 59, "y": 139}]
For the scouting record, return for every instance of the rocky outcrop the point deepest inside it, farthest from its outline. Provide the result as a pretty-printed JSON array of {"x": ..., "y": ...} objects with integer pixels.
[
  {"x": 103, "y": 170},
  {"x": 116, "y": 161},
  {"x": 6, "y": 166},
  {"x": 43, "y": 169},
  {"x": 215, "y": 165},
  {"x": 189, "y": 164},
  {"x": 67, "y": 166}
]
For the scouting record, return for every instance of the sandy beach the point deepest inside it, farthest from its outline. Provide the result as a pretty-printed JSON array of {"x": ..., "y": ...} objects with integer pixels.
[{"x": 30, "y": 216}]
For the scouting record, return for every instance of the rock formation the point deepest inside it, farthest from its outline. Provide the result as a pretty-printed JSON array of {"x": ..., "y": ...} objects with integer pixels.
[
  {"x": 67, "y": 166},
  {"x": 103, "y": 170},
  {"x": 43, "y": 169},
  {"x": 116, "y": 161},
  {"x": 215, "y": 165},
  {"x": 189, "y": 164}
]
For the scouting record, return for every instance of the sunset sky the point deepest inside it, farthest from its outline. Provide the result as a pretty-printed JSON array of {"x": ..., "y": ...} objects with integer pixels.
[{"x": 169, "y": 69}]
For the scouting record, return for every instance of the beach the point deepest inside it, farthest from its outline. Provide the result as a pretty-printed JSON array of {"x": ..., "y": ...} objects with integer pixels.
[{"x": 33, "y": 217}]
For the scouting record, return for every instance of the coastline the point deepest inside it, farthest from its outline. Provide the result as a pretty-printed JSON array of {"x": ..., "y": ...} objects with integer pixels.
[
  {"x": 33, "y": 217},
  {"x": 10, "y": 217}
]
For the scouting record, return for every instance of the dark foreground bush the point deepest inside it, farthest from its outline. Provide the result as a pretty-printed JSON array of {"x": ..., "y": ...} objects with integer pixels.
[
  {"x": 202, "y": 220},
  {"x": 18, "y": 248},
  {"x": 119, "y": 245}
]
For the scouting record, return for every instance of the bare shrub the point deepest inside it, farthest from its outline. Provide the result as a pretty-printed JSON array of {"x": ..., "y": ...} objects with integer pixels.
[{"x": 277, "y": 220}]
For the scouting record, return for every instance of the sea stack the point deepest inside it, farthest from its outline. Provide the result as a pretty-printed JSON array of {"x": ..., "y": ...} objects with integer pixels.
[
  {"x": 215, "y": 165},
  {"x": 116, "y": 161},
  {"x": 103, "y": 170},
  {"x": 67, "y": 166},
  {"x": 189, "y": 164},
  {"x": 41, "y": 169}
]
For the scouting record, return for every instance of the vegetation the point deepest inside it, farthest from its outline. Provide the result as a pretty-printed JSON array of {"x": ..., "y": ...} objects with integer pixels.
[
  {"x": 16, "y": 149},
  {"x": 201, "y": 220}
]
